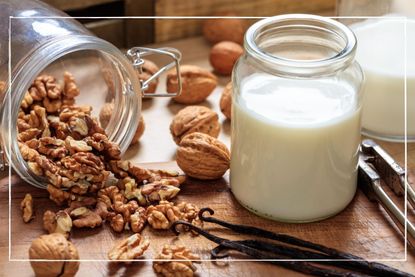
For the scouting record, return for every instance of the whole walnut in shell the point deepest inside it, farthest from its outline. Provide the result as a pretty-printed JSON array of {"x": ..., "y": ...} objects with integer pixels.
[
  {"x": 149, "y": 69},
  {"x": 139, "y": 132},
  {"x": 197, "y": 84},
  {"x": 203, "y": 157},
  {"x": 105, "y": 116},
  {"x": 226, "y": 101},
  {"x": 220, "y": 29},
  {"x": 224, "y": 55},
  {"x": 54, "y": 247},
  {"x": 194, "y": 119}
]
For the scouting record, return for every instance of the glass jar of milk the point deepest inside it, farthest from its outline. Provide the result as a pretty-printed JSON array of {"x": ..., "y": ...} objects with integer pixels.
[
  {"x": 385, "y": 31},
  {"x": 296, "y": 118}
]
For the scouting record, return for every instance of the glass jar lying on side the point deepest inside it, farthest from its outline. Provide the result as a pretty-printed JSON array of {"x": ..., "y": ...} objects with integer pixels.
[
  {"x": 296, "y": 118},
  {"x": 44, "y": 40}
]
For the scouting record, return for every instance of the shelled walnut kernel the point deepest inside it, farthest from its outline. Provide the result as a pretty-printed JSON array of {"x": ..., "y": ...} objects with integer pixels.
[
  {"x": 27, "y": 207},
  {"x": 184, "y": 267},
  {"x": 130, "y": 248}
]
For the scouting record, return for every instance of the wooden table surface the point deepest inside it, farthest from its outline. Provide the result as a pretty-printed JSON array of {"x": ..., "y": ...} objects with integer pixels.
[{"x": 362, "y": 228}]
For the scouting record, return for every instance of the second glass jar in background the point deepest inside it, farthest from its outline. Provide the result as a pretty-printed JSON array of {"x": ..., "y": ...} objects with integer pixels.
[
  {"x": 384, "y": 29},
  {"x": 296, "y": 118}
]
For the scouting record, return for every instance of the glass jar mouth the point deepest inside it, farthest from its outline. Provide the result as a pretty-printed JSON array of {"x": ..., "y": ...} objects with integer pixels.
[{"x": 324, "y": 45}]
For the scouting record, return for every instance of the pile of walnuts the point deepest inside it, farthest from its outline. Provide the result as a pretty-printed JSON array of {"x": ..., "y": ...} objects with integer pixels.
[{"x": 63, "y": 143}]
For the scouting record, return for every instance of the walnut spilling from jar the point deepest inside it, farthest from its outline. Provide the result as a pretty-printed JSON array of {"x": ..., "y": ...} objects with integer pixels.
[
  {"x": 27, "y": 207},
  {"x": 169, "y": 267},
  {"x": 59, "y": 222},
  {"x": 130, "y": 248},
  {"x": 163, "y": 215}
]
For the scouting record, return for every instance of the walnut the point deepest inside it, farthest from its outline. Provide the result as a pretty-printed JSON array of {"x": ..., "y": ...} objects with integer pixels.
[
  {"x": 70, "y": 89},
  {"x": 101, "y": 143},
  {"x": 122, "y": 169},
  {"x": 27, "y": 153},
  {"x": 58, "y": 196},
  {"x": 197, "y": 84},
  {"x": 138, "y": 220},
  {"x": 130, "y": 248},
  {"x": 163, "y": 215},
  {"x": 105, "y": 114},
  {"x": 149, "y": 69},
  {"x": 52, "y": 106},
  {"x": 28, "y": 134},
  {"x": 79, "y": 125},
  {"x": 223, "y": 56},
  {"x": 226, "y": 101},
  {"x": 178, "y": 261},
  {"x": 54, "y": 247},
  {"x": 37, "y": 119},
  {"x": 27, "y": 101},
  {"x": 194, "y": 119},
  {"x": 203, "y": 157},
  {"x": 45, "y": 86},
  {"x": 221, "y": 29},
  {"x": 27, "y": 208},
  {"x": 84, "y": 217},
  {"x": 159, "y": 190},
  {"x": 139, "y": 132},
  {"x": 57, "y": 223},
  {"x": 50, "y": 147},
  {"x": 35, "y": 168},
  {"x": 76, "y": 145},
  {"x": 117, "y": 223}
]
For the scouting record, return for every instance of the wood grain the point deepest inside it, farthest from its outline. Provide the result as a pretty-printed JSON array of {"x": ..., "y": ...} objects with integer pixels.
[
  {"x": 363, "y": 228},
  {"x": 166, "y": 30}
]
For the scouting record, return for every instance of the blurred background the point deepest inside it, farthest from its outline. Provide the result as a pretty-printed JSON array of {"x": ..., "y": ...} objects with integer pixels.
[{"x": 126, "y": 33}]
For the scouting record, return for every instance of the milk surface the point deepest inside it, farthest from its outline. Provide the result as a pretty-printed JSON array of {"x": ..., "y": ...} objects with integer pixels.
[
  {"x": 294, "y": 147},
  {"x": 380, "y": 52}
]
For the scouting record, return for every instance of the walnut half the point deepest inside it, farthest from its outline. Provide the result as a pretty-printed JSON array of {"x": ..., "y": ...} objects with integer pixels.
[
  {"x": 130, "y": 248},
  {"x": 183, "y": 267},
  {"x": 27, "y": 207}
]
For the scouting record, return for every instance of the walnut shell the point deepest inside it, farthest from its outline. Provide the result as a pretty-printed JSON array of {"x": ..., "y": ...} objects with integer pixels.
[
  {"x": 53, "y": 247},
  {"x": 226, "y": 101},
  {"x": 220, "y": 29},
  {"x": 197, "y": 84},
  {"x": 105, "y": 114},
  {"x": 203, "y": 157},
  {"x": 194, "y": 119},
  {"x": 224, "y": 55},
  {"x": 139, "y": 132},
  {"x": 149, "y": 69}
]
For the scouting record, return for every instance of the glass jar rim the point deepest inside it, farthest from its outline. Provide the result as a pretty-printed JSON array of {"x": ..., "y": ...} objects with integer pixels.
[{"x": 302, "y": 68}]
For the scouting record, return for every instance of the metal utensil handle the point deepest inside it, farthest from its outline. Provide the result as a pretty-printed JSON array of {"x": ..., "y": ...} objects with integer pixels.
[
  {"x": 372, "y": 186},
  {"x": 395, "y": 213},
  {"x": 136, "y": 53}
]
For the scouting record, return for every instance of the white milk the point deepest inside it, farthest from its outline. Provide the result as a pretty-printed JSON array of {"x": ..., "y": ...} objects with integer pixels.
[
  {"x": 294, "y": 147},
  {"x": 380, "y": 52}
]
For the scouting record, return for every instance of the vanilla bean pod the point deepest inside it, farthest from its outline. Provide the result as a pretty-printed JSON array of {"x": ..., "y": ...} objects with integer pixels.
[
  {"x": 302, "y": 267},
  {"x": 381, "y": 269},
  {"x": 297, "y": 253}
]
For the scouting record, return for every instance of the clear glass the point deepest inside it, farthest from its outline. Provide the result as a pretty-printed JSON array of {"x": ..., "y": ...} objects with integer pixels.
[
  {"x": 296, "y": 118},
  {"x": 53, "y": 45},
  {"x": 382, "y": 42}
]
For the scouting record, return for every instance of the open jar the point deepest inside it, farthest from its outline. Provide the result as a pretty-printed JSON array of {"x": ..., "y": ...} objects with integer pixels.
[
  {"x": 296, "y": 118},
  {"x": 43, "y": 40},
  {"x": 385, "y": 30}
]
